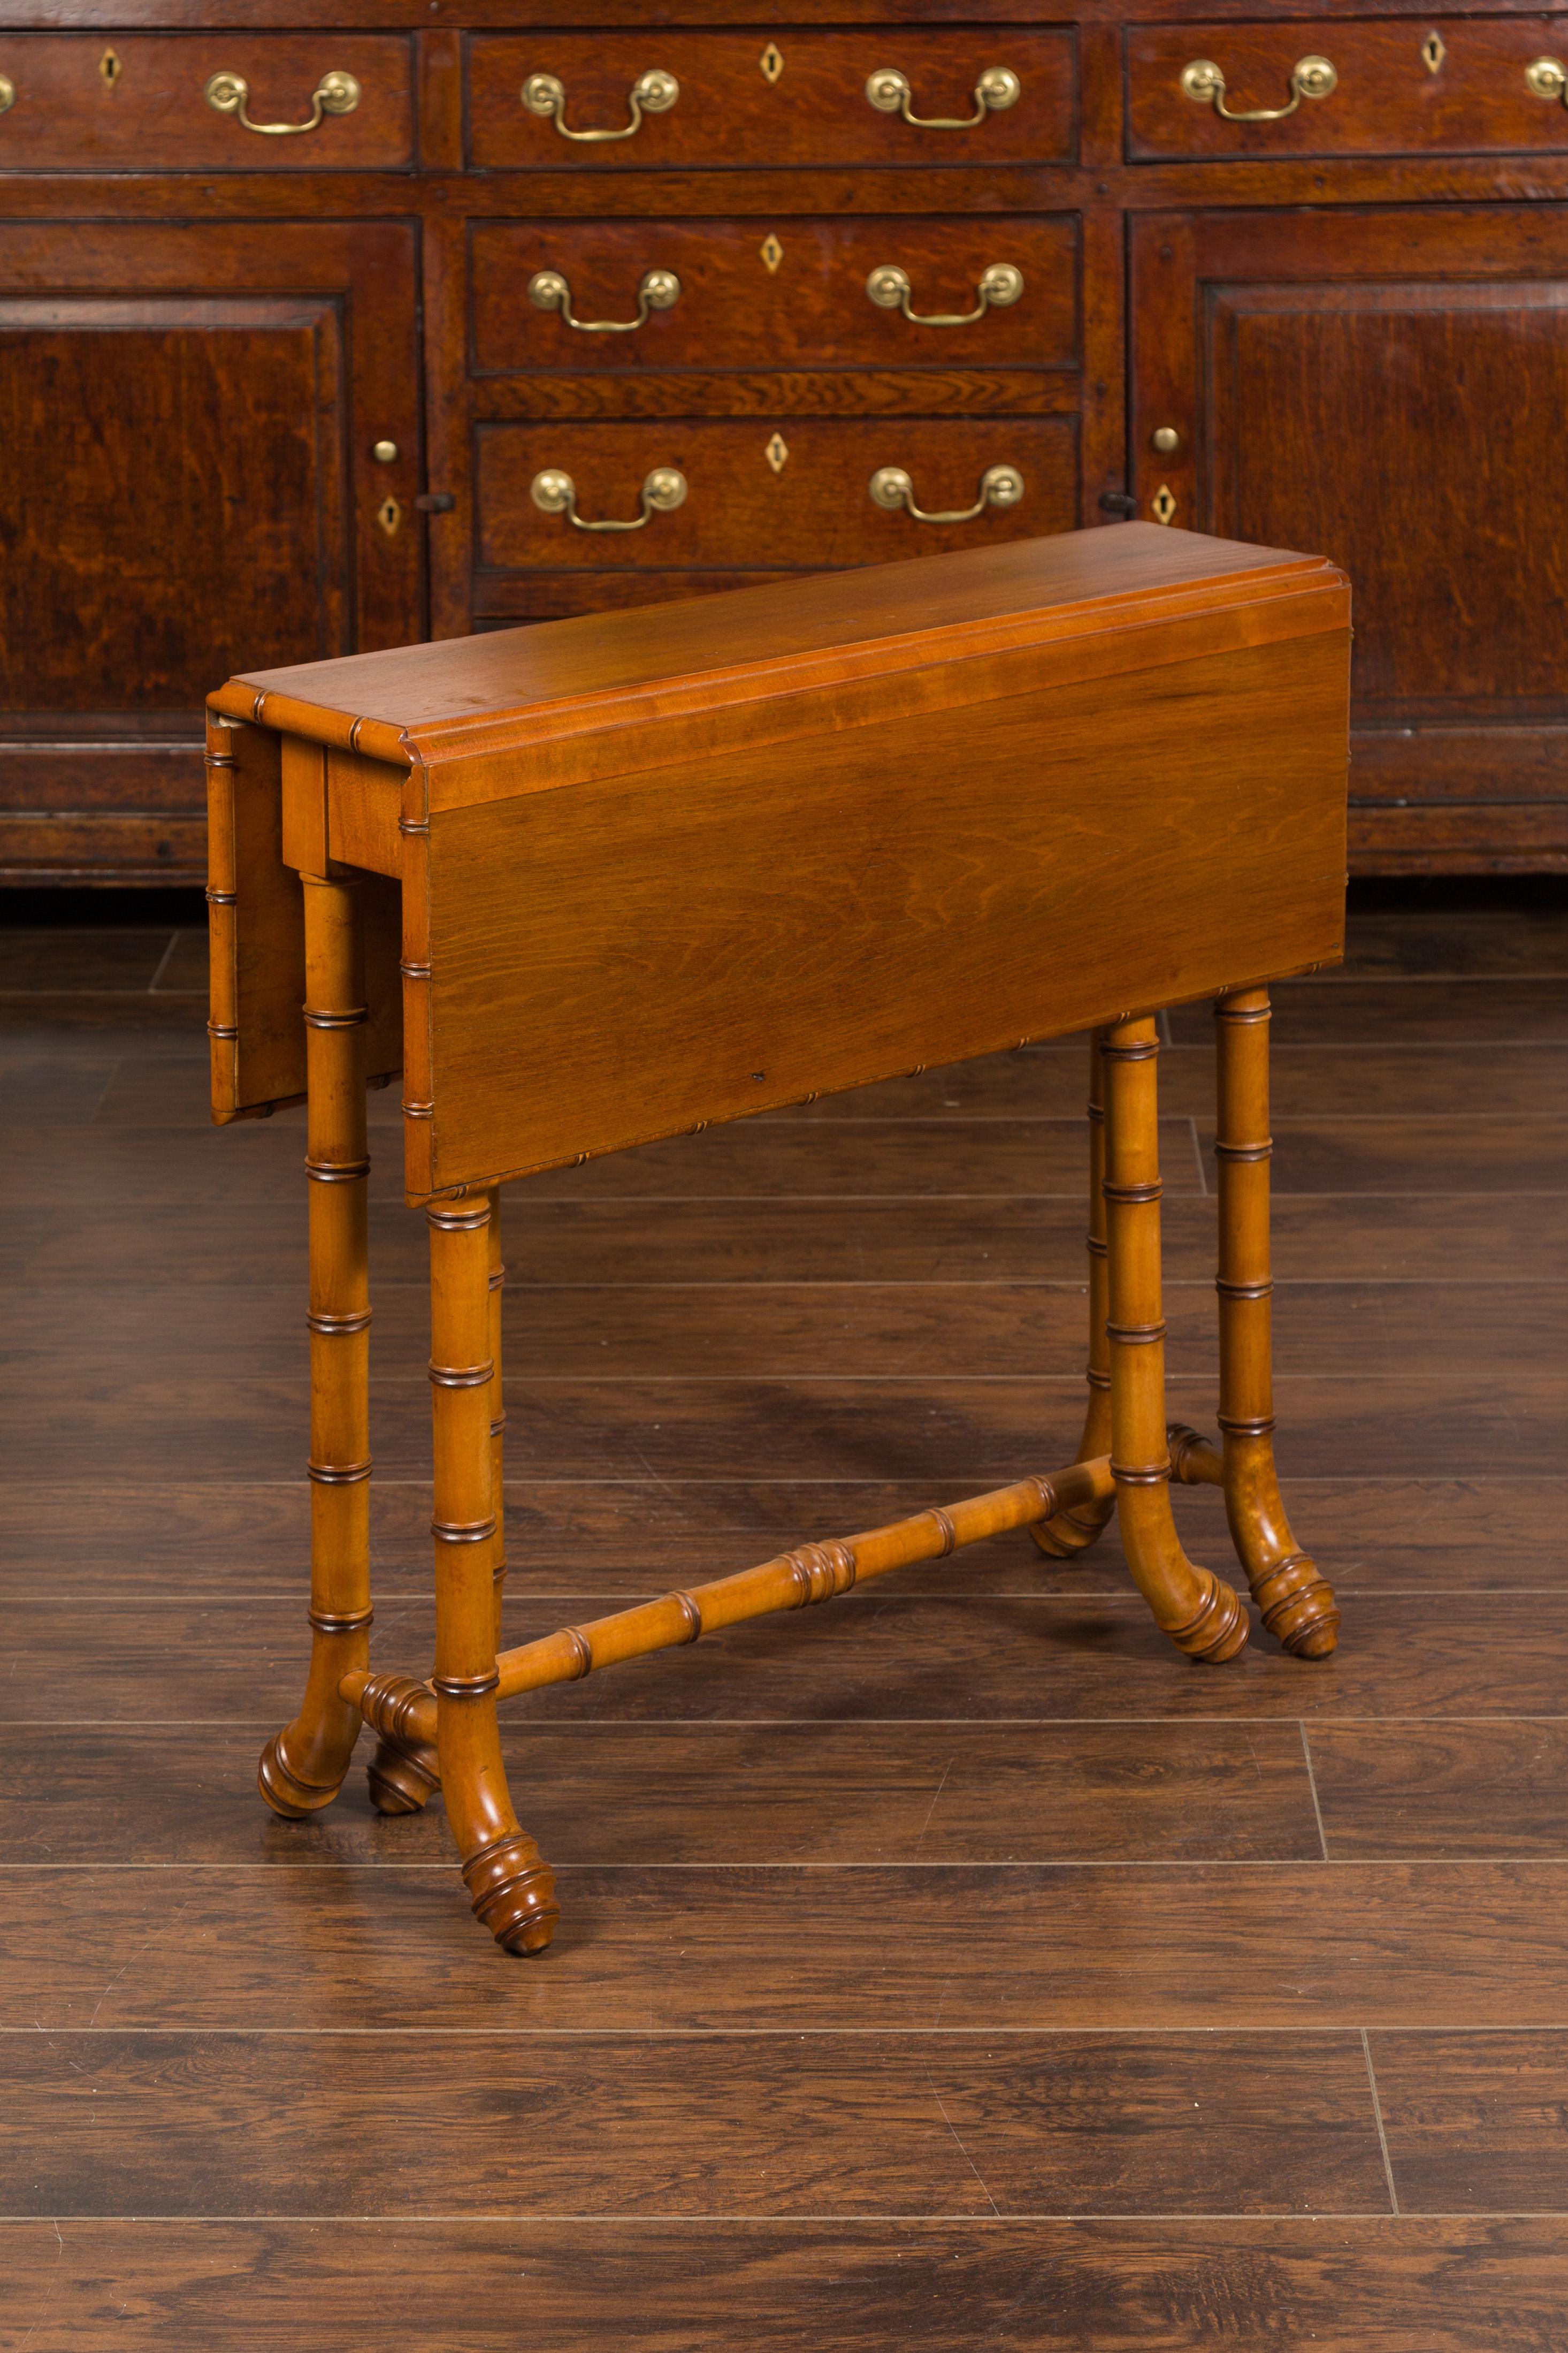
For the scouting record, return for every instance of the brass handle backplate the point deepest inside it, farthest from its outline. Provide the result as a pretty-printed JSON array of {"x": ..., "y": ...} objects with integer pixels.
[
  {"x": 1000, "y": 486},
  {"x": 554, "y": 492},
  {"x": 654, "y": 92},
  {"x": 1547, "y": 77},
  {"x": 997, "y": 286},
  {"x": 1309, "y": 77},
  {"x": 658, "y": 289},
  {"x": 7, "y": 93},
  {"x": 889, "y": 92},
  {"x": 335, "y": 93}
]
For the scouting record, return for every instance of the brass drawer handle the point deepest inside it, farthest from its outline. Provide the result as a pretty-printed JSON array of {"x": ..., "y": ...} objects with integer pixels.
[
  {"x": 658, "y": 289},
  {"x": 1309, "y": 77},
  {"x": 997, "y": 287},
  {"x": 1547, "y": 77},
  {"x": 7, "y": 93},
  {"x": 1000, "y": 486},
  {"x": 335, "y": 93},
  {"x": 554, "y": 492},
  {"x": 998, "y": 88},
  {"x": 654, "y": 92}
]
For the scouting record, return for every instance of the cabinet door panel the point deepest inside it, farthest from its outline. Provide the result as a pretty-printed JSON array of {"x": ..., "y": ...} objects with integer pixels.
[
  {"x": 1382, "y": 389},
  {"x": 187, "y": 415}
]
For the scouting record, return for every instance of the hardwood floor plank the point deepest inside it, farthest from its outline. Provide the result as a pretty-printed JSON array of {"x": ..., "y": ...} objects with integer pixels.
[
  {"x": 46, "y": 961},
  {"x": 1523, "y": 931},
  {"x": 1363, "y": 2285},
  {"x": 1475, "y": 2121},
  {"x": 623, "y": 1539},
  {"x": 1441, "y": 1010},
  {"x": 1183, "y": 1948},
  {"x": 654, "y": 1330},
  {"x": 1444, "y": 1788},
  {"x": 259, "y": 1161},
  {"x": 957, "y": 1436},
  {"x": 705, "y": 1793},
  {"x": 1047, "y": 1082},
  {"x": 1456, "y": 1152},
  {"x": 874, "y": 1656},
  {"x": 873, "y": 2123},
  {"x": 1362, "y": 1238}
]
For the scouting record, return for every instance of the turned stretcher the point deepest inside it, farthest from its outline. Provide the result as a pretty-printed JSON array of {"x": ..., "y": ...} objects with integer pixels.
[{"x": 604, "y": 880}]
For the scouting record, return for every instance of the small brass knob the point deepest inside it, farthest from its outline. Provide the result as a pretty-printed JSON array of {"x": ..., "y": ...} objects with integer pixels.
[
  {"x": 7, "y": 93},
  {"x": 1166, "y": 440},
  {"x": 384, "y": 453}
]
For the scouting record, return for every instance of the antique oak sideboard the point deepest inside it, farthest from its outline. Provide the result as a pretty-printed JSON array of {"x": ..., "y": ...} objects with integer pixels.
[
  {"x": 384, "y": 318},
  {"x": 648, "y": 871}
]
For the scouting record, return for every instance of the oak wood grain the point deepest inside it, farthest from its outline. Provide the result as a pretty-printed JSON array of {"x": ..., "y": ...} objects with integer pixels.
[
  {"x": 1417, "y": 2286},
  {"x": 1406, "y": 1945},
  {"x": 864, "y": 2124}
]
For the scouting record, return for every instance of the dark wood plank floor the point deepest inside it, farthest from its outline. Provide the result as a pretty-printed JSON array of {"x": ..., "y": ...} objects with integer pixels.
[{"x": 958, "y": 1967}]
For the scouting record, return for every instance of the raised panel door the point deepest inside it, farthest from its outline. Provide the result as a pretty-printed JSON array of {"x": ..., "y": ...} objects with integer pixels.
[
  {"x": 1384, "y": 388},
  {"x": 188, "y": 417}
]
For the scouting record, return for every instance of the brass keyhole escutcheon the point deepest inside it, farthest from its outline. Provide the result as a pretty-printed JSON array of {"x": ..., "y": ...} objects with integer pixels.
[
  {"x": 388, "y": 516},
  {"x": 776, "y": 452},
  {"x": 1162, "y": 505},
  {"x": 772, "y": 62},
  {"x": 772, "y": 252},
  {"x": 1433, "y": 53},
  {"x": 110, "y": 68}
]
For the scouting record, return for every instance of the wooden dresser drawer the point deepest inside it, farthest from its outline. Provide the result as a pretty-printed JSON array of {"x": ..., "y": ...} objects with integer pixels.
[
  {"x": 1414, "y": 85},
  {"x": 737, "y": 293},
  {"x": 749, "y": 98},
  {"x": 769, "y": 497},
  {"x": 143, "y": 102}
]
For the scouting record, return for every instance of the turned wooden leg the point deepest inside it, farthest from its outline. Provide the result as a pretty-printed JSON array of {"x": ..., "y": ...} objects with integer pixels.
[
  {"x": 511, "y": 1886},
  {"x": 1074, "y": 1530},
  {"x": 303, "y": 1767},
  {"x": 1296, "y": 1605},
  {"x": 498, "y": 1412},
  {"x": 1200, "y": 1612}
]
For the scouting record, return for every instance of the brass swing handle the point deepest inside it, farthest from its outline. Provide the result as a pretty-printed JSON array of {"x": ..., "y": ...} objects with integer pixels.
[
  {"x": 889, "y": 92},
  {"x": 997, "y": 287},
  {"x": 1547, "y": 77},
  {"x": 554, "y": 492},
  {"x": 1309, "y": 77},
  {"x": 654, "y": 92},
  {"x": 658, "y": 289},
  {"x": 335, "y": 93},
  {"x": 1000, "y": 486}
]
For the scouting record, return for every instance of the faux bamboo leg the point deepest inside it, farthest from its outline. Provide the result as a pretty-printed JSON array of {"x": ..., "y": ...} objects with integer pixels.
[
  {"x": 498, "y": 1412},
  {"x": 1198, "y": 1610},
  {"x": 1074, "y": 1530},
  {"x": 511, "y": 1886},
  {"x": 303, "y": 1767},
  {"x": 405, "y": 1771},
  {"x": 1296, "y": 1605}
]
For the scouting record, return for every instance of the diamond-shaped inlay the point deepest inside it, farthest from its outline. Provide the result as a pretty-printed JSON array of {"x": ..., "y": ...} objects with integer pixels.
[
  {"x": 772, "y": 252},
  {"x": 1433, "y": 53},
  {"x": 1162, "y": 505},
  {"x": 771, "y": 62},
  {"x": 776, "y": 452},
  {"x": 110, "y": 68}
]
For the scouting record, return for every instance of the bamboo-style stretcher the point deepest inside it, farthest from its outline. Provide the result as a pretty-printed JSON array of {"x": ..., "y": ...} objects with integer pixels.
[{"x": 603, "y": 880}]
